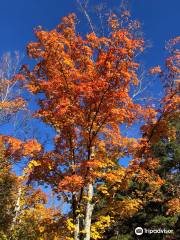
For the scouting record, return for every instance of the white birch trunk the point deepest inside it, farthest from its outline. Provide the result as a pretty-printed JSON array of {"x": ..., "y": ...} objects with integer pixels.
[
  {"x": 89, "y": 210},
  {"x": 17, "y": 207},
  {"x": 90, "y": 205}
]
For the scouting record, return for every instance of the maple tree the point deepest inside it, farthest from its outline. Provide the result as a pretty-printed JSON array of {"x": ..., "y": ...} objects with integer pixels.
[
  {"x": 16, "y": 214},
  {"x": 86, "y": 85},
  {"x": 24, "y": 212},
  {"x": 35, "y": 220},
  {"x": 161, "y": 206}
]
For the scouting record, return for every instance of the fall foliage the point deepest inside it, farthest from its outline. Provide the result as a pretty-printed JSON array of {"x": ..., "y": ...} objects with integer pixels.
[{"x": 85, "y": 86}]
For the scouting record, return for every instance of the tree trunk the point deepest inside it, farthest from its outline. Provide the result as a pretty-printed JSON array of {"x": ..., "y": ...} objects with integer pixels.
[
  {"x": 89, "y": 210},
  {"x": 17, "y": 208},
  {"x": 52, "y": 199},
  {"x": 90, "y": 205},
  {"x": 76, "y": 230},
  {"x": 75, "y": 216}
]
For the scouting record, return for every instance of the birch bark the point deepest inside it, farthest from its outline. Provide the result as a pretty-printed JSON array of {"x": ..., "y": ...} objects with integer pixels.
[{"x": 90, "y": 205}]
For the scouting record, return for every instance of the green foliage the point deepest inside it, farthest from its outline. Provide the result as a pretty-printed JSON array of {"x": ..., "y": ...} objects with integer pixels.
[
  {"x": 154, "y": 215},
  {"x": 26, "y": 230},
  {"x": 162, "y": 221},
  {"x": 8, "y": 188},
  {"x": 3, "y": 236},
  {"x": 122, "y": 237}
]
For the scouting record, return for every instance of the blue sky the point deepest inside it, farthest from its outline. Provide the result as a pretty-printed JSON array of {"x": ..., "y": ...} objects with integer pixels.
[{"x": 160, "y": 19}]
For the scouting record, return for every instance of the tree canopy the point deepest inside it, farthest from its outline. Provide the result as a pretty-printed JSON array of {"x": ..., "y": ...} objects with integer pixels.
[{"x": 85, "y": 87}]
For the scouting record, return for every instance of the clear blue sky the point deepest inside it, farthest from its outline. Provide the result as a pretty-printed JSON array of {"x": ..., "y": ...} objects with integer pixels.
[{"x": 160, "y": 19}]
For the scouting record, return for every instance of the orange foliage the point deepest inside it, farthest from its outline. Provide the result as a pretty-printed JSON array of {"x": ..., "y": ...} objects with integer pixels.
[
  {"x": 31, "y": 147},
  {"x": 155, "y": 70},
  {"x": 86, "y": 82},
  {"x": 16, "y": 149},
  {"x": 173, "y": 206},
  {"x": 71, "y": 183}
]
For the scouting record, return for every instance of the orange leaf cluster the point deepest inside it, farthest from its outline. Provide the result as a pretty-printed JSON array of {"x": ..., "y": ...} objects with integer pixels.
[{"x": 71, "y": 183}]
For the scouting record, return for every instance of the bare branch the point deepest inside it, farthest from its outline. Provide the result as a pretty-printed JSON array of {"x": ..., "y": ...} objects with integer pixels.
[{"x": 83, "y": 8}]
